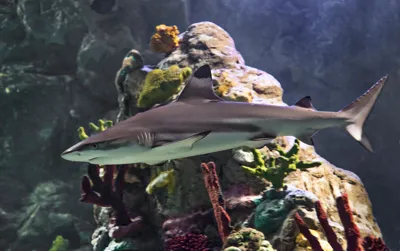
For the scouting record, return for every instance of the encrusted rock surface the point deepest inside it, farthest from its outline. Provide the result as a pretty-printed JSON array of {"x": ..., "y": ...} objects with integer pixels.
[{"x": 236, "y": 81}]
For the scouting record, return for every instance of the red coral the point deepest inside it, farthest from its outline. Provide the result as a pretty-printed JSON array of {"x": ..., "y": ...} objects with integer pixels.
[
  {"x": 217, "y": 200},
  {"x": 371, "y": 243},
  {"x": 352, "y": 233},
  {"x": 330, "y": 234},
  {"x": 315, "y": 245},
  {"x": 188, "y": 242},
  {"x": 107, "y": 192}
]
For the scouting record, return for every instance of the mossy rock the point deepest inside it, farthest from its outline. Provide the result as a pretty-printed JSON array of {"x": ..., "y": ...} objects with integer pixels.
[{"x": 160, "y": 85}]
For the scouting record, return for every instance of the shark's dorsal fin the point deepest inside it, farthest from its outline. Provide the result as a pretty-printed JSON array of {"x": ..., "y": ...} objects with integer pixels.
[
  {"x": 305, "y": 103},
  {"x": 199, "y": 87}
]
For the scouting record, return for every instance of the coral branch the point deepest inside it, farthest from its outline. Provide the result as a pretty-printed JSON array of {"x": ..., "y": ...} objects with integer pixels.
[
  {"x": 217, "y": 200},
  {"x": 351, "y": 230},
  {"x": 352, "y": 233},
  {"x": 306, "y": 232},
  {"x": 330, "y": 234}
]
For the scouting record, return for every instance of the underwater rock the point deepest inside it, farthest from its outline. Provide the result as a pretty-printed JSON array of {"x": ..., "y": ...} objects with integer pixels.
[
  {"x": 47, "y": 215},
  {"x": 204, "y": 41}
]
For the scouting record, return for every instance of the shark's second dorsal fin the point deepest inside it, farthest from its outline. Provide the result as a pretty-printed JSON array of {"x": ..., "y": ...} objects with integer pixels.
[
  {"x": 305, "y": 103},
  {"x": 199, "y": 86}
]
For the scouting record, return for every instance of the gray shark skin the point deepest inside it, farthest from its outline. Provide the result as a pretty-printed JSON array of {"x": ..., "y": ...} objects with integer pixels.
[{"x": 199, "y": 122}]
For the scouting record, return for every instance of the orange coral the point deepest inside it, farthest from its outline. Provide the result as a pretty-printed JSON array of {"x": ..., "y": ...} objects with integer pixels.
[{"x": 165, "y": 39}]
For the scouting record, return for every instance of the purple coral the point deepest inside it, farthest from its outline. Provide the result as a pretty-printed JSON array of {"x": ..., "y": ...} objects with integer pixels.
[
  {"x": 188, "y": 242},
  {"x": 108, "y": 192}
]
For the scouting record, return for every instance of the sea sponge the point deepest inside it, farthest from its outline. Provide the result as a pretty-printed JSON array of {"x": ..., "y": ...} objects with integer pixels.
[
  {"x": 165, "y": 39},
  {"x": 161, "y": 85}
]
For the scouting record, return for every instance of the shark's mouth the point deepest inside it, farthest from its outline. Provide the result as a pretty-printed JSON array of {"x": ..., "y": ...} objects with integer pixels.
[{"x": 90, "y": 160}]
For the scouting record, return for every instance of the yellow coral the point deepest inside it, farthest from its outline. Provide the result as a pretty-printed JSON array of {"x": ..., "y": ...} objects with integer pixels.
[
  {"x": 161, "y": 85},
  {"x": 166, "y": 178},
  {"x": 165, "y": 39}
]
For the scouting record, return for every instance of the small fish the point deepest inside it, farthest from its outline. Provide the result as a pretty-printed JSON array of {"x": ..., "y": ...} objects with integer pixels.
[
  {"x": 199, "y": 122},
  {"x": 103, "y": 6}
]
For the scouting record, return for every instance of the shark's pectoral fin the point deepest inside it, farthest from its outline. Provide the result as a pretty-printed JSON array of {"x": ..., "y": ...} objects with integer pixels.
[
  {"x": 181, "y": 145},
  {"x": 307, "y": 138}
]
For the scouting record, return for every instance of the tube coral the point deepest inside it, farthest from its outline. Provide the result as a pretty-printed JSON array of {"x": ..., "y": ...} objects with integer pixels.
[
  {"x": 165, "y": 39},
  {"x": 217, "y": 200},
  {"x": 352, "y": 233}
]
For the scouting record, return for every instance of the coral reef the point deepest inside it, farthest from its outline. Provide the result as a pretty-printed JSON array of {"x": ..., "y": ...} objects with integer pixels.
[
  {"x": 245, "y": 201},
  {"x": 247, "y": 239},
  {"x": 160, "y": 85},
  {"x": 354, "y": 242},
  {"x": 165, "y": 39},
  {"x": 59, "y": 244},
  {"x": 277, "y": 168}
]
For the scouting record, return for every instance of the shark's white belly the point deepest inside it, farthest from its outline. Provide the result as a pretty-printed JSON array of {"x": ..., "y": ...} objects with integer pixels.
[{"x": 214, "y": 142}]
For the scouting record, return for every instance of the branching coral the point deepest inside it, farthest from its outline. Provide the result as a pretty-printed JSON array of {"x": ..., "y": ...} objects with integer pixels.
[
  {"x": 165, "y": 40},
  {"x": 103, "y": 125},
  {"x": 188, "y": 242},
  {"x": 108, "y": 192},
  {"x": 161, "y": 85},
  {"x": 352, "y": 233},
  {"x": 217, "y": 200},
  {"x": 163, "y": 179},
  {"x": 275, "y": 169}
]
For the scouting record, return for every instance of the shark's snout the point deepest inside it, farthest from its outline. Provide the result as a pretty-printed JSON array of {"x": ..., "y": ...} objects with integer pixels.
[{"x": 71, "y": 155}]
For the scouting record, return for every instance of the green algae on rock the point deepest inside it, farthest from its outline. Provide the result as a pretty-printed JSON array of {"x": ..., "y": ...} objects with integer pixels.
[{"x": 161, "y": 85}]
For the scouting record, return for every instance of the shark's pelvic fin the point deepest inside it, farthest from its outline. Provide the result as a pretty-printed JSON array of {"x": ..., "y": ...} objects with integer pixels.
[
  {"x": 358, "y": 112},
  {"x": 305, "y": 103},
  {"x": 199, "y": 87},
  {"x": 181, "y": 145}
]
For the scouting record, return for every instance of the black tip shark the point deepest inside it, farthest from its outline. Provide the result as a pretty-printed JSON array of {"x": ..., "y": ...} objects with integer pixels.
[{"x": 200, "y": 122}]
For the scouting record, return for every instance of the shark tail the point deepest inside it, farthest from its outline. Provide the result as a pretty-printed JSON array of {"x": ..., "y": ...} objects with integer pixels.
[{"x": 357, "y": 112}]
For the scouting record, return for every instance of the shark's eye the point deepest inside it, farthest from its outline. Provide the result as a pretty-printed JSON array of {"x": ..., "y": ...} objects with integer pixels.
[{"x": 94, "y": 146}]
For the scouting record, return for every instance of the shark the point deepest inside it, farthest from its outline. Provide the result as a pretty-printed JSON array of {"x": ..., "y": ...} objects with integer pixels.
[{"x": 199, "y": 122}]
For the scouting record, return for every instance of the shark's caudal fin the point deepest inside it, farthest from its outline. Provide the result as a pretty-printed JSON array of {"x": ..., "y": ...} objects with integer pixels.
[{"x": 359, "y": 110}]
